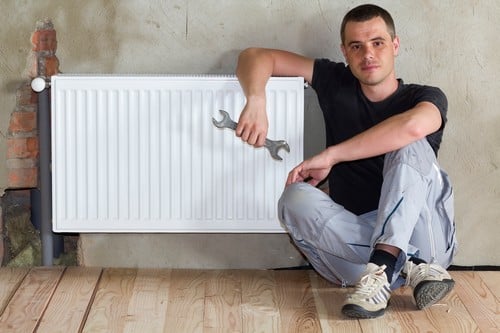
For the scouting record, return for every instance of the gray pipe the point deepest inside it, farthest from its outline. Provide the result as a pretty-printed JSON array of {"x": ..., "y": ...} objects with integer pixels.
[{"x": 45, "y": 177}]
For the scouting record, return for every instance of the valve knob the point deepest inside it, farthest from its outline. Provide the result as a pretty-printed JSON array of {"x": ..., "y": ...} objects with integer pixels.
[{"x": 38, "y": 84}]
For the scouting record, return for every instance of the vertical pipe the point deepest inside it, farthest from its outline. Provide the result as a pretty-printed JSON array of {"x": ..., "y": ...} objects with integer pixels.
[
  {"x": 45, "y": 178},
  {"x": 58, "y": 240}
]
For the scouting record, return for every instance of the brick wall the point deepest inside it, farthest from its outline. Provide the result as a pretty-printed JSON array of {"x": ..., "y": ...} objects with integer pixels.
[
  {"x": 22, "y": 139},
  {"x": 23, "y": 154}
]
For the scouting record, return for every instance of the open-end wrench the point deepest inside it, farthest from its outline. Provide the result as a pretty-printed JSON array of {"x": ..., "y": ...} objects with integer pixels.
[{"x": 272, "y": 145}]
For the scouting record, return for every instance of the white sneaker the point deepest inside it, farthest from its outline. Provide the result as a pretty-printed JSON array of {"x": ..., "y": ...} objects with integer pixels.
[
  {"x": 371, "y": 296},
  {"x": 430, "y": 282}
]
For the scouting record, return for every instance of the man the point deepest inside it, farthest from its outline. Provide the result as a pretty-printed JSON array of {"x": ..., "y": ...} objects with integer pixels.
[{"x": 389, "y": 213}]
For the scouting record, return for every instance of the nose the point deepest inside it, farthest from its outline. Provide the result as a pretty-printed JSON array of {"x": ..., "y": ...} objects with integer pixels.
[{"x": 367, "y": 52}]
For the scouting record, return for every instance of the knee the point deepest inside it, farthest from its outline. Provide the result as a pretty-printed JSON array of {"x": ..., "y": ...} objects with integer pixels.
[
  {"x": 418, "y": 155},
  {"x": 292, "y": 201},
  {"x": 293, "y": 196},
  {"x": 291, "y": 207},
  {"x": 300, "y": 201}
]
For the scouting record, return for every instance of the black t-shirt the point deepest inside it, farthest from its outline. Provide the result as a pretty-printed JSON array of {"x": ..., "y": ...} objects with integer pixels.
[{"x": 356, "y": 185}]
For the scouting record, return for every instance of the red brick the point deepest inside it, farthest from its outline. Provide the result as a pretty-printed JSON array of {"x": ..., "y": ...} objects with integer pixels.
[
  {"x": 21, "y": 121},
  {"x": 51, "y": 66},
  {"x": 44, "y": 40},
  {"x": 22, "y": 148}
]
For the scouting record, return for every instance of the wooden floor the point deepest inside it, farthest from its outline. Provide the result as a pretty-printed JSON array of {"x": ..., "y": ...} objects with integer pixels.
[{"x": 78, "y": 299}]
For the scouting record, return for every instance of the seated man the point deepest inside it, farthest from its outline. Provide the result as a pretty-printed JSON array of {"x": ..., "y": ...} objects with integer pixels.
[{"x": 389, "y": 213}]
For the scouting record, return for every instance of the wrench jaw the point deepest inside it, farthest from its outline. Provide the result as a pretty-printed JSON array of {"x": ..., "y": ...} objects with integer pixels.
[
  {"x": 276, "y": 156},
  {"x": 221, "y": 123},
  {"x": 275, "y": 146},
  {"x": 225, "y": 122},
  {"x": 217, "y": 123}
]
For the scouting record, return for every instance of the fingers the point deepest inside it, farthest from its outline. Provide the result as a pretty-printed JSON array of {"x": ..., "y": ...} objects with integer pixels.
[
  {"x": 251, "y": 134},
  {"x": 313, "y": 181},
  {"x": 295, "y": 175},
  {"x": 308, "y": 172},
  {"x": 253, "y": 124}
]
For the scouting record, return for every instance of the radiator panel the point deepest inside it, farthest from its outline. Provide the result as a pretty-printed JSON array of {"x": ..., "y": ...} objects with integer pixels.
[{"x": 140, "y": 154}]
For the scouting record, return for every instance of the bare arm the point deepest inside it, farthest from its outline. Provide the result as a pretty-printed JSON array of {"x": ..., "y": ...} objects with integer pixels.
[
  {"x": 389, "y": 135},
  {"x": 255, "y": 67}
]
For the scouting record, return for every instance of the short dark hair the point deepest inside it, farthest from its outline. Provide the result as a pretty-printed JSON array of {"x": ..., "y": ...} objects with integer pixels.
[{"x": 367, "y": 12}]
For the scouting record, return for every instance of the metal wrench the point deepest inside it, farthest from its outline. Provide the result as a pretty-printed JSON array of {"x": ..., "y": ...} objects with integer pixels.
[{"x": 272, "y": 145}]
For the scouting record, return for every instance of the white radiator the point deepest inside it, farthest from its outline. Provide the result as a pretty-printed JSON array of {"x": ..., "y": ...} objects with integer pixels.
[{"x": 141, "y": 154}]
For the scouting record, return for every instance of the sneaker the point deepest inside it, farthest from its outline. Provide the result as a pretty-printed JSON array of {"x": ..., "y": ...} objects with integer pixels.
[
  {"x": 371, "y": 295},
  {"x": 430, "y": 282}
]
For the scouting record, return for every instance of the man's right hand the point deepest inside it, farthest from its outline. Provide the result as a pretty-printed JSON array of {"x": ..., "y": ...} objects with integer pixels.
[{"x": 253, "y": 124}]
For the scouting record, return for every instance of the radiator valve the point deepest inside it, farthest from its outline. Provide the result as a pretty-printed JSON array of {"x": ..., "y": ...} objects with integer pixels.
[{"x": 39, "y": 84}]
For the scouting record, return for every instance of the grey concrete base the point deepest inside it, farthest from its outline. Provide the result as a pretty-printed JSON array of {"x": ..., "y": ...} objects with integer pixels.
[{"x": 203, "y": 251}]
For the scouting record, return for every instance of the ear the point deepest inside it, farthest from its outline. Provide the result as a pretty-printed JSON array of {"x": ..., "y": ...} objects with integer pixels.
[
  {"x": 342, "y": 48},
  {"x": 395, "y": 44}
]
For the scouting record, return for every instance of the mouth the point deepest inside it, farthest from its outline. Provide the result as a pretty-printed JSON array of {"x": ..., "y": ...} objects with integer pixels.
[{"x": 369, "y": 67}]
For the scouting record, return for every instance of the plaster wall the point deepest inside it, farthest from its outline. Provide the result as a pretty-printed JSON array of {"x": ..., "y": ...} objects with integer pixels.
[{"x": 451, "y": 44}]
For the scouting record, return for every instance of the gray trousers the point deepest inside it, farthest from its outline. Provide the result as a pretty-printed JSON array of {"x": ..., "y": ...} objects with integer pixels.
[{"x": 415, "y": 214}]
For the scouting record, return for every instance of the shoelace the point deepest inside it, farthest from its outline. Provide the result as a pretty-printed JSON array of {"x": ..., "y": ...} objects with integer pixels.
[
  {"x": 422, "y": 271},
  {"x": 368, "y": 283}
]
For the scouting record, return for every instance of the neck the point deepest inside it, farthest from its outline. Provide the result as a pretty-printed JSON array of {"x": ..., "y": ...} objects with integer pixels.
[{"x": 379, "y": 92}]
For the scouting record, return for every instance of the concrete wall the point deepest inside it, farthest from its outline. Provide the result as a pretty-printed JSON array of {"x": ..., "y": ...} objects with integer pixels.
[{"x": 448, "y": 43}]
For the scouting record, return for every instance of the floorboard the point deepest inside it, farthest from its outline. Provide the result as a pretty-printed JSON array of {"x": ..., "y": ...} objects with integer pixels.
[
  {"x": 27, "y": 305},
  {"x": 92, "y": 299},
  {"x": 223, "y": 302},
  {"x": 70, "y": 301}
]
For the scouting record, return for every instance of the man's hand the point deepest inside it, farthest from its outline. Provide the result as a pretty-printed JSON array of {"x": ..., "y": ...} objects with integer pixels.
[
  {"x": 312, "y": 170},
  {"x": 253, "y": 124}
]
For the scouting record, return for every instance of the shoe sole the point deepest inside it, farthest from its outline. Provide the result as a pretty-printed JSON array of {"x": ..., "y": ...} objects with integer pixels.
[
  {"x": 428, "y": 293},
  {"x": 356, "y": 311}
]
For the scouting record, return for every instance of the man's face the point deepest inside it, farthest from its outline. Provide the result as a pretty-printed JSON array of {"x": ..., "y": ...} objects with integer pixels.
[{"x": 370, "y": 51}]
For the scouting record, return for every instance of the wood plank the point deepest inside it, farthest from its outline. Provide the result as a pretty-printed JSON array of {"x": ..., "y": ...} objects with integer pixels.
[
  {"x": 109, "y": 309},
  {"x": 479, "y": 300},
  {"x": 186, "y": 301},
  {"x": 222, "y": 302},
  {"x": 71, "y": 301},
  {"x": 398, "y": 316},
  {"x": 404, "y": 316},
  {"x": 296, "y": 302},
  {"x": 258, "y": 302},
  {"x": 449, "y": 315},
  {"x": 26, "y": 307},
  {"x": 10, "y": 279},
  {"x": 492, "y": 280},
  {"x": 149, "y": 301},
  {"x": 329, "y": 299}
]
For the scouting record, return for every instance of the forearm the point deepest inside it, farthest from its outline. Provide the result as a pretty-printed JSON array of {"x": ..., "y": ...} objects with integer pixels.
[
  {"x": 253, "y": 70},
  {"x": 389, "y": 135},
  {"x": 256, "y": 65}
]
